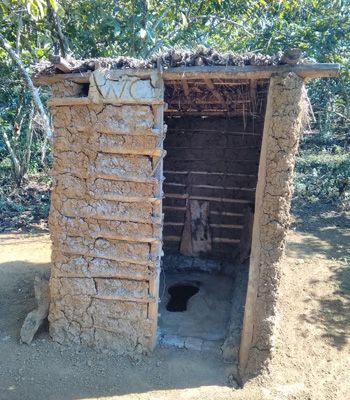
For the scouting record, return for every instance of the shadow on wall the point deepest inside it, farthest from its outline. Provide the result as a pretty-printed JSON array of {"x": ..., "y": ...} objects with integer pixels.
[{"x": 329, "y": 240}]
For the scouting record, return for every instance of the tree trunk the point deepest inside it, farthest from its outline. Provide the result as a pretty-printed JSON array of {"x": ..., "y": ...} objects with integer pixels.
[
  {"x": 28, "y": 145},
  {"x": 29, "y": 83},
  {"x": 43, "y": 153},
  {"x": 62, "y": 41},
  {"x": 16, "y": 166}
]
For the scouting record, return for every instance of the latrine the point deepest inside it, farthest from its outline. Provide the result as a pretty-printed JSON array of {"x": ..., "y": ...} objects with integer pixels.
[{"x": 163, "y": 168}]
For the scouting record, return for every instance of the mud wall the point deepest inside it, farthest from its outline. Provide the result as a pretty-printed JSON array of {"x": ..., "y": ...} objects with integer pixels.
[
  {"x": 283, "y": 123},
  {"x": 105, "y": 222},
  {"x": 216, "y": 160}
]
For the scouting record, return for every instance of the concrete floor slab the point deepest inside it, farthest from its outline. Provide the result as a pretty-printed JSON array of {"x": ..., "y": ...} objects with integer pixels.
[{"x": 208, "y": 312}]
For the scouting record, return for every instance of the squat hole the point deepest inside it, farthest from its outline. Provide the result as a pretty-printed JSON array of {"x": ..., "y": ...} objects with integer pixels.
[
  {"x": 179, "y": 296},
  {"x": 84, "y": 89}
]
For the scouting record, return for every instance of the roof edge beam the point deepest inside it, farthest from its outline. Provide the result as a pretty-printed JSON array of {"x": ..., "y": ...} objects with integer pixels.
[{"x": 306, "y": 71}]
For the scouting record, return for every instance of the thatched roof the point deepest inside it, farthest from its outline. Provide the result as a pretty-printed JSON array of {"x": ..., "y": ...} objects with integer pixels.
[{"x": 173, "y": 57}]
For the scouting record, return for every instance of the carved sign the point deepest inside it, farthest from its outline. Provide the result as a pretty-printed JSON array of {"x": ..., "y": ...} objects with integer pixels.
[{"x": 118, "y": 87}]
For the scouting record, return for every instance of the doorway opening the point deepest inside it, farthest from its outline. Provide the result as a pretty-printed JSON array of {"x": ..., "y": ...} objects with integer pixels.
[{"x": 213, "y": 146}]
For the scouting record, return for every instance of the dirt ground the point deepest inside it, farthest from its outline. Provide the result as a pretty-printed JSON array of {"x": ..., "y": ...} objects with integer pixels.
[{"x": 311, "y": 359}]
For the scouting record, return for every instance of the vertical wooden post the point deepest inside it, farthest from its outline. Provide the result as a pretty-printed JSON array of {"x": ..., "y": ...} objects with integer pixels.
[
  {"x": 156, "y": 247},
  {"x": 283, "y": 123}
]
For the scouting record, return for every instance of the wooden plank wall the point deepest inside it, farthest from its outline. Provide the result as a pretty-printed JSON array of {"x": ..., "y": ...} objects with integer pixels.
[{"x": 212, "y": 159}]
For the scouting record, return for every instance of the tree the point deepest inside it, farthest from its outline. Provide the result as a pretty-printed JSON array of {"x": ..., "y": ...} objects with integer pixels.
[
  {"x": 20, "y": 163},
  {"x": 33, "y": 29}
]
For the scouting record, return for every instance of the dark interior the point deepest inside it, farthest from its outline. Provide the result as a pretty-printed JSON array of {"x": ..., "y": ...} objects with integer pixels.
[
  {"x": 212, "y": 146},
  {"x": 214, "y": 160}
]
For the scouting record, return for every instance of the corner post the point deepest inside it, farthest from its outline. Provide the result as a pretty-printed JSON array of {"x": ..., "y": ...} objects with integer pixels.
[{"x": 283, "y": 123}]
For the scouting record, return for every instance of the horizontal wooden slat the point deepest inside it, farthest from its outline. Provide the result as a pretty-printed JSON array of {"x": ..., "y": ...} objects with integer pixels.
[
  {"x": 224, "y": 248},
  {"x": 127, "y": 178},
  {"x": 207, "y": 112},
  {"x": 226, "y": 233},
  {"x": 122, "y": 298},
  {"x": 132, "y": 276},
  {"x": 177, "y": 215},
  {"x": 83, "y": 101},
  {"x": 227, "y": 226},
  {"x": 206, "y": 198},
  {"x": 225, "y": 240},
  {"x": 215, "y": 125},
  {"x": 233, "y": 206},
  {"x": 172, "y": 238},
  {"x": 123, "y": 238},
  {"x": 213, "y": 147},
  {"x": 116, "y": 275},
  {"x": 210, "y": 179},
  {"x": 234, "y": 166},
  {"x": 153, "y": 219},
  {"x": 77, "y": 77},
  {"x": 229, "y": 82},
  {"x": 219, "y": 235},
  {"x": 172, "y": 230},
  {"x": 126, "y": 199},
  {"x": 210, "y": 192},
  {"x": 133, "y": 151},
  {"x": 217, "y": 231},
  {"x": 210, "y": 187},
  {"x": 194, "y": 154},
  {"x": 219, "y": 250},
  {"x": 92, "y": 254},
  {"x": 223, "y": 174},
  {"x": 220, "y": 247},
  {"x": 215, "y": 140}
]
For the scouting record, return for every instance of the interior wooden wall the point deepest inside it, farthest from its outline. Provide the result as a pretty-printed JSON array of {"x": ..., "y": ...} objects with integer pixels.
[{"x": 212, "y": 159}]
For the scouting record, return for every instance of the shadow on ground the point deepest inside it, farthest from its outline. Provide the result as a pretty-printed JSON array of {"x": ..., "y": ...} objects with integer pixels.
[
  {"x": 325, "y": 233},
  {"x": 324, "y": 230},
  {"x": 47, "y": 370}
]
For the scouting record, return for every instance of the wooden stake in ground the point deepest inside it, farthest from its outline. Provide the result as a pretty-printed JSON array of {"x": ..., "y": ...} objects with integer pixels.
[{"x": 35, "y": 318}]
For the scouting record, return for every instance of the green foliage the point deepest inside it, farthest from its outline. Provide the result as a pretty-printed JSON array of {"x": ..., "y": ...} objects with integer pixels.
[
  {"x": 139, "y": 27},
  {"x": 321, "y": 28},
  {"x": 323, "y": 175}
]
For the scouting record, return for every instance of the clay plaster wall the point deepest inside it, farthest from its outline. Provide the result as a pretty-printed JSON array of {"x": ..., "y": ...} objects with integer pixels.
[
  {"x": 105, "y": 221},
  {"x": 283, "y": 123}
]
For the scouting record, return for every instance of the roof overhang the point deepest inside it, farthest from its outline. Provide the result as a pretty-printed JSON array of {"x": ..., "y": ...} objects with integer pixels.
[{"x": 305, "y": 71}]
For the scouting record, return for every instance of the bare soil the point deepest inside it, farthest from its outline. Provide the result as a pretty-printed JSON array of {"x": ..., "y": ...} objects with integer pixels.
[{"x": 311, "y": 358}]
